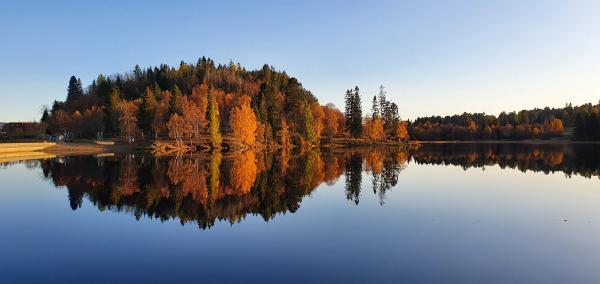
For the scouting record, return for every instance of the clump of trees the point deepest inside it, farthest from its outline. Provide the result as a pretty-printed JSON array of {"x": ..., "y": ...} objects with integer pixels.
[
  {"x": 23, "y": 129},
  {"x": 383, "y": 124},
  {"x": 544, "y": 123},
  {"x": 194, "y": 101},
  {"x": 587, "y": 123}
]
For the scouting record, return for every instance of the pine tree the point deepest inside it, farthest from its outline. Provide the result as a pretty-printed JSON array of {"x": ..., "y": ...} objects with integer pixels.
[
  {"x": 112, "y": 111},
  {"x": 74, "y": 90},
  {"x": 176, "y": 103},
  {"x": 375, "y": 108},
  {"x": 213, "y": 120},
  {"x": 147, "y": 110},
  {"x": 45, "y": 116},
  {"x": 356, "y": 123},
  {"x": 348, "y": 108},
  {"x": 103, "y": 88},
  {"x": 353, "y": 112}
]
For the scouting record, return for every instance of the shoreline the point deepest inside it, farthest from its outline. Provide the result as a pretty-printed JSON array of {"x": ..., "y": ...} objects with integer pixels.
[
  {"x": 527, "y": 141},
  {"x": 36, "y": 150}
]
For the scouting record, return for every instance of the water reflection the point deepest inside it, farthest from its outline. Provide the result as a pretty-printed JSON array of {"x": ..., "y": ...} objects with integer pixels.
[
  {"x": 580, "y": 159},
  {"x": 206, "y": 189}
]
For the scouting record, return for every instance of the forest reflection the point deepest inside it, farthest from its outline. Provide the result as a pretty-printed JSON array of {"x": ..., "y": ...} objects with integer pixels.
[{"x": 213, "y": 187}]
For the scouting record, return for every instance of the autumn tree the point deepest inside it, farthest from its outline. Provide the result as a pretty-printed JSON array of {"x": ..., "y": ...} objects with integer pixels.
[
  {"x": 128, "y": 120},
  {"x": 200, "y": 97},
  {"x": 243, "y": 122},
  {"x": 158, "y": 119},
  {"x": 176, "y": 127},
  {"x": 318, "y": 115},
  {"x": 192, "y": 118},
  {"x": 402, "y": 131},
  {"x": 553, "y": 128},
  {"x": 373, "y": 128},
  {"x": 330, "y": 120}
]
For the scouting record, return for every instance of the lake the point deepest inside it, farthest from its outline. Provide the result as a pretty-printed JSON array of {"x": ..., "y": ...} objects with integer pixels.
[{"x": 450, "y": 213}]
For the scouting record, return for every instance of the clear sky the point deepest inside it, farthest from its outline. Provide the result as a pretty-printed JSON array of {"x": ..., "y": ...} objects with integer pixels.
[{"x": 434, "y": 57}]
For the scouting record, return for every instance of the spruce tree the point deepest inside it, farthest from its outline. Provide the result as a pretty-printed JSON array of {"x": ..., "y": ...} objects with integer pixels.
[
  {"x": 356, "y": 122},
  {"x": 375, "y": 108},
  {"x": 74, "y": 90},
  {"x": 147, "y": 110},
  {"x": 348, "y": 109},
  {"x": 45, "y": 116},
  {"x": 176, "y": 103},
  {"x": 112, "y": 111}
]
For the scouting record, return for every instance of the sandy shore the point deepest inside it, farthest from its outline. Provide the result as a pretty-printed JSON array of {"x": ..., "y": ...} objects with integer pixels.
[{"x": 33, "y": 151}]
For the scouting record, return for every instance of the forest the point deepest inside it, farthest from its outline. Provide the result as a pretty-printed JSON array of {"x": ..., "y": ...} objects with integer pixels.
[
  {"x": 209, "y": 103},
  {"x": 580, "y": 123}
]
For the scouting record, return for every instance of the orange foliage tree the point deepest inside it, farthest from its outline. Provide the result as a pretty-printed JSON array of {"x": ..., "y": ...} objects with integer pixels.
[
  {"x": 373, "y": 128},
  {"x": 176, "y": 127},
  {"x": 243, "y": 122},
  {"x": 318, "y": 115},
  {"x": 128, "y": 119},
  {"x": 402, "y": 131}
]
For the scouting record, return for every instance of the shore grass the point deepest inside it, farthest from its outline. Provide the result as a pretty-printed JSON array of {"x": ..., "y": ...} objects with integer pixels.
[{"x": 24, "y": 147}]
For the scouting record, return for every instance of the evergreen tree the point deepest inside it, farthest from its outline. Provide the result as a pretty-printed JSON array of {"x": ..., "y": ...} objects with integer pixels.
[
  {"x": 176, "y": 102},
  {"x": 112, "y": 111},
  {"x": 213, "y": 119},
  {"x": 353, "y": 112},
  {"x": 74, "y": 90},
  {"x": 348, "y": 108},
  {"x": 103, "y": 88},
  {"x": 356, "y": 123},
  {"x": 147, "y": 110},
  {"x": 45, "y": 116},
  {"x": 375, "y": 108}
]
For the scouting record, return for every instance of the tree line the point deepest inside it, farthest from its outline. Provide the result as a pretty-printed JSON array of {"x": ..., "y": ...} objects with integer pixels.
[
  {"x": 203, "y": 101},
  {"x": 579, "y": 123}
]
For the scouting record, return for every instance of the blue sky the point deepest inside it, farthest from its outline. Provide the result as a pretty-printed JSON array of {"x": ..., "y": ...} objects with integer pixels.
[{"x": 434, "y": 57}]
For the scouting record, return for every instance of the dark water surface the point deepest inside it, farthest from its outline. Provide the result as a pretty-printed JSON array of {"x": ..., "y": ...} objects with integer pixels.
[{"x": 454, "y": 213}]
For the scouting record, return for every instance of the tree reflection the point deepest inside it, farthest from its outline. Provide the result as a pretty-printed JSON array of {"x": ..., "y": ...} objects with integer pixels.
[
  {"x": 213, "y": 187},
  {"x": 354, "y": 177},
  {"x": 580, "y": 159}
]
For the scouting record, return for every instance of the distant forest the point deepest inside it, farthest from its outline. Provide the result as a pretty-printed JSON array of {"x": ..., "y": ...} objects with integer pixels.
[
  {"x": 267, "y": 106},
  {"x": 582, "y": 123}
]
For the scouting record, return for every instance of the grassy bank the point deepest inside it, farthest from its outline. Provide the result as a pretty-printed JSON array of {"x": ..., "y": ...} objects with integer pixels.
[{"x": 24, "y": 147}]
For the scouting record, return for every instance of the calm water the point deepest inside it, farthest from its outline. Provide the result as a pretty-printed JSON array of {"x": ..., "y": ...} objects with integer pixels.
[{"x": 447, "y": 213}]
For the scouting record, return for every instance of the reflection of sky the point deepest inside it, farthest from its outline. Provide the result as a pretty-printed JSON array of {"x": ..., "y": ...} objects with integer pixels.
[{"x": 438, "y": 223}]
